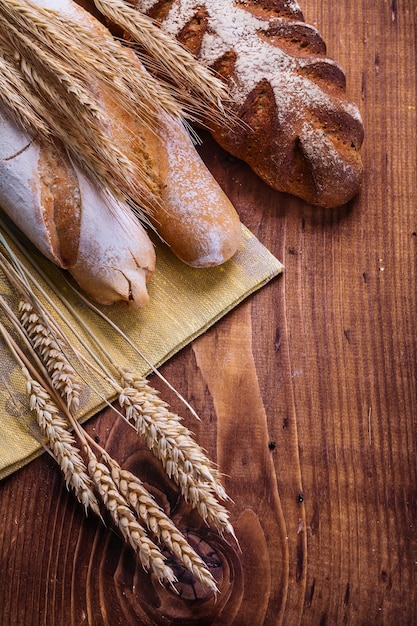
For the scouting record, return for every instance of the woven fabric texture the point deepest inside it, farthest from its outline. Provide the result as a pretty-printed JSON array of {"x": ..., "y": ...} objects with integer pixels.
[{"x": 185, "y": 302}]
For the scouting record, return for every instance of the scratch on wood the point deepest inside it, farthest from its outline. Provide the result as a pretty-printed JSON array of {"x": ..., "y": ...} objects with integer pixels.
[
  {"x": 323, "y": 620},
  {"x": 300, "y": 559},
  {"x": 377, "y": 62},
  {"x": 311, "y": 594},
  {"x": 394, "y": 10},
  {"x": 369, "y": 425},
  {"x": 347, "y": 595},
  {"x": 277, "y": 340},
  {"x": 363, "y": 86}
]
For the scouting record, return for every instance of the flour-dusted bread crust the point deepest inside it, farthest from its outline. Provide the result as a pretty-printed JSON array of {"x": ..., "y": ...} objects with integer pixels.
[
  {"x": 195, "y": 217},
  {"x": 71, "y": 221},
  {"x": 191, "y": 212},
  {"x": 300, "y": 134}
]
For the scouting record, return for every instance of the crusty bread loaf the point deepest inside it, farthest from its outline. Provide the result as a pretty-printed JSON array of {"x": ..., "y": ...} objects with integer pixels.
[
  {"x": 191, "y": 213},
  {"x": 300, "y": 133},
  {"x": 71, "y": 221},
  {"x": 196, "y": 219}
]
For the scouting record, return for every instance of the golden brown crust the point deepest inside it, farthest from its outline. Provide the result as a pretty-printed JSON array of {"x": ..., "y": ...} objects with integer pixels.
[
  {"x": 195, "y": 218},
  {"x": 301, "y": 134},
  {"x": 191, "y": 213},
  {"x": 191, "y": 35},
  {"x": 61, "y": 202},
  {"x": 272, "y": 8}
]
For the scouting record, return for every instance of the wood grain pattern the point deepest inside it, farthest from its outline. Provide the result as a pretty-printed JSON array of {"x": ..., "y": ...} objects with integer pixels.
[{"x": 307, "y": 394}]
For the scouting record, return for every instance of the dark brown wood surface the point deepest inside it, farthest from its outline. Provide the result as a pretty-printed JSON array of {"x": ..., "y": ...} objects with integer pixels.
[{"x": 307, "y": 393}]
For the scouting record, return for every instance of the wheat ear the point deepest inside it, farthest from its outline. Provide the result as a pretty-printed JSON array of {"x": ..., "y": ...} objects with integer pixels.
[
  {"x": 17, "y": 96},
  {"x": 78, "y": 122},
  {"x": 62, "y": 374},
  {"x": 41, "y": 331},
  {"x": 121, "y": 492},
  {"x": 88, "y": 50},
  {"x": 161, "y": 525},
  {"x": 172, "y": 432},
  {"x": 62, "y": 80},
  {"x": 75, "y": 117},
  {"x": 165, "y": 54},
  {"x": 61, "y": 443},
  {"x": 74, "y": 61},
  {"x": 149, "y": 554},
  {"x": 55, "y": 429},
  {"x": 181, "y": 457}
]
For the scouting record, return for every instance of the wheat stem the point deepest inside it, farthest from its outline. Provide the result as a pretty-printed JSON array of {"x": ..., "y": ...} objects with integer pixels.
[{"x": 128, "y": 340}]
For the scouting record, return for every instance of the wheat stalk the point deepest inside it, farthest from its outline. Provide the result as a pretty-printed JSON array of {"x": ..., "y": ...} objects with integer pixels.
[
  {"x": 81, "y": 120},
  {"x": 122, "y": 493},
  {"x": 175, "y": 441},
  {"x": 161, "y": 525},
  {"x": 182, "y": 458},
  {"x": 149, "y": 554},
  {"x": 62, "y": 99},
  {"x": 61, "y": 443},
  {"x": 41, "y": 331},
  {"x": 85, "y": 49},
  {"x": 165, "y": 54},
  {"x": 56, "y": 30},
  {"x": 152, "y": 368},
  {"x": 55, "y": 429},
  {"x": 62, "y": 373},
  {"x": 80, "y": 478},
  {"x": 56, "y": 69},
  {"x": 78, "y": 123},
  {"x": 23, "y": 105}
]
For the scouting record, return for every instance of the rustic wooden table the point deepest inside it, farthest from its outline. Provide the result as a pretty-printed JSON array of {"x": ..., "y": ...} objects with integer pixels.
[{"x": 307, "y": 393}]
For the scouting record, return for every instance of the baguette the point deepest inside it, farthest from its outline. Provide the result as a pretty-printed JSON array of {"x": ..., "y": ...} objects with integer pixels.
[
  {"x": 75, "y": 225},
  {"x": 300, "y": 134},
  {"x": 191, "y": 214}
]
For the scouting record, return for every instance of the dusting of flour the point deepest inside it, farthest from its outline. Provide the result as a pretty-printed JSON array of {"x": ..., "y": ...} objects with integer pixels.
[
  {"x": 231, "y": 27},
  {"x": 195, "y": 197}
]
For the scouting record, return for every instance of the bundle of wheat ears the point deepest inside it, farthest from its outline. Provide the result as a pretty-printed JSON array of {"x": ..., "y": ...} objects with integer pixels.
[
  {"x": 55, "y": 373},
  {"x": 43, "y": 58}
]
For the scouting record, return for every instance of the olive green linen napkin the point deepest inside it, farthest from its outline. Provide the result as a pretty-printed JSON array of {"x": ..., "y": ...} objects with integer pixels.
[{"x": 185, "y": 302}]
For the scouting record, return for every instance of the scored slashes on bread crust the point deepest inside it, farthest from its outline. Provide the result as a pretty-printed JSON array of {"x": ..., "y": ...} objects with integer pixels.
[{"x": 301, "y": 134}]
